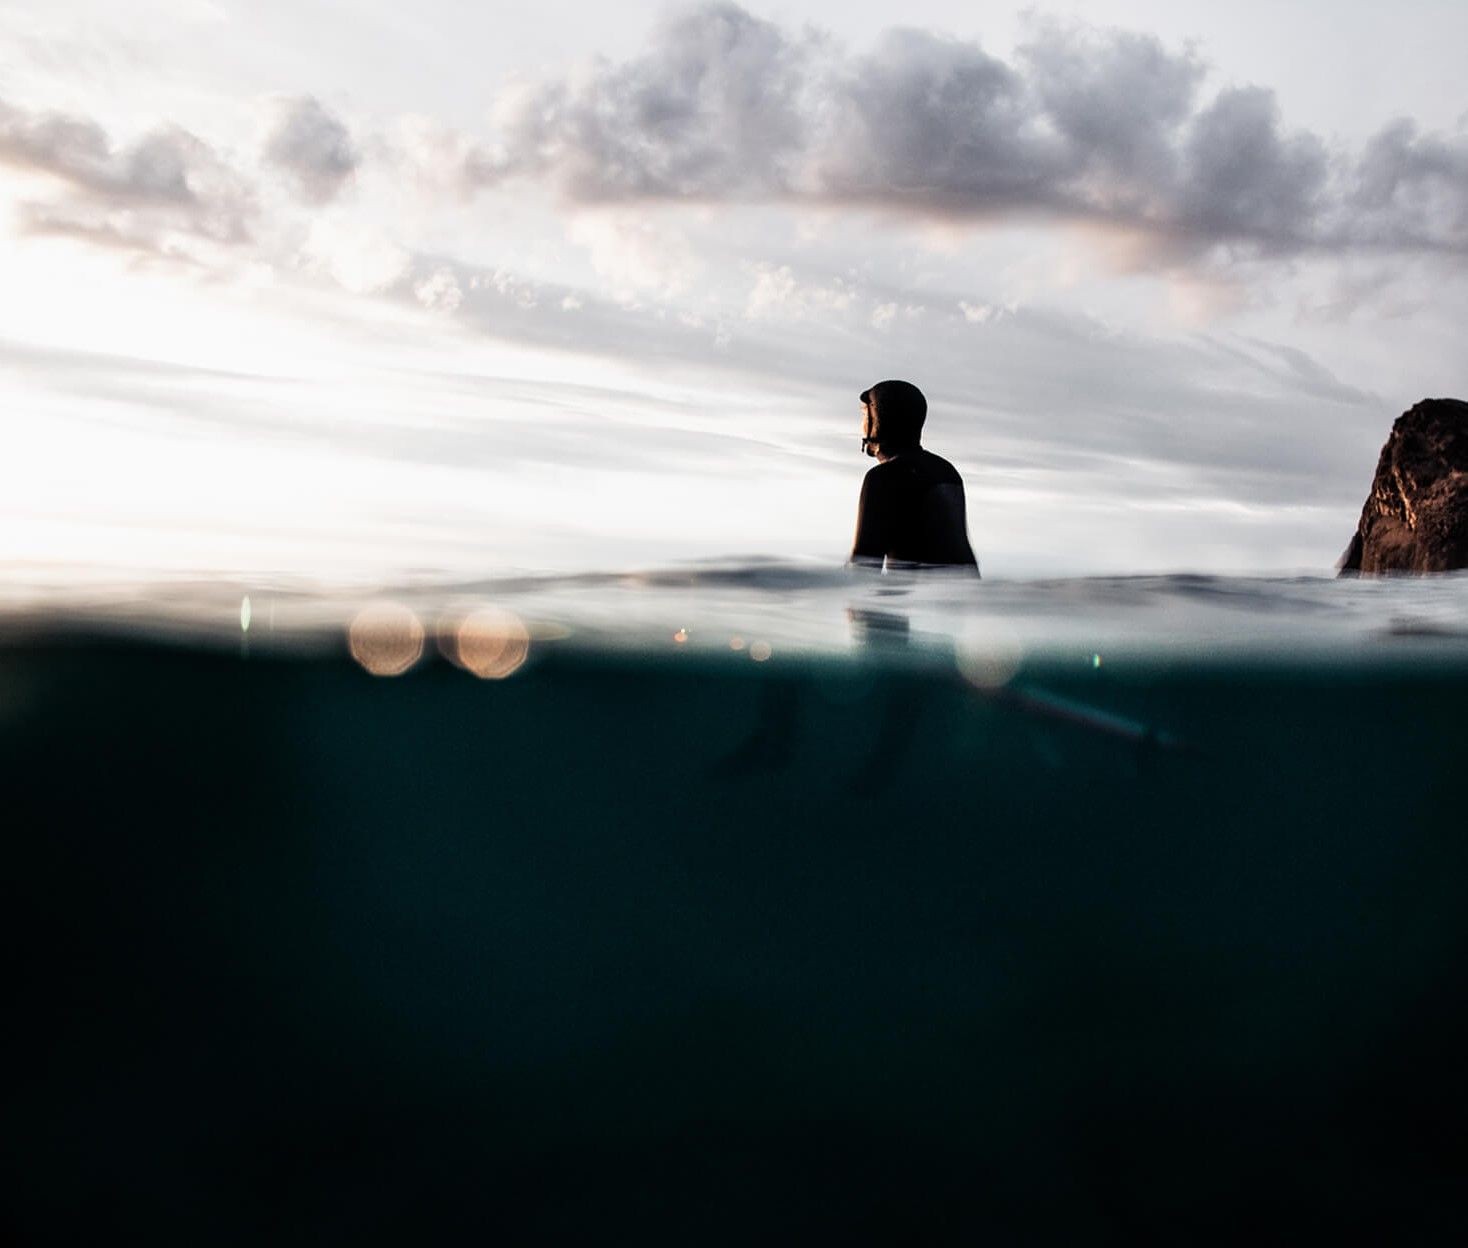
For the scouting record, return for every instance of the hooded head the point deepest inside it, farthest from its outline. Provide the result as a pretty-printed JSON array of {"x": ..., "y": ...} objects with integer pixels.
[{"x": 894, "y": 420}]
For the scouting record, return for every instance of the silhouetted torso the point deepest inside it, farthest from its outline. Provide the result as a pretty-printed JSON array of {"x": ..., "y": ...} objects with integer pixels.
[{"x": 912, "y": 511}]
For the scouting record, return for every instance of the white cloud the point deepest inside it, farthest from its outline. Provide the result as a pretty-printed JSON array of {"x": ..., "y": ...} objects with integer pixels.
[
  {"x": 778, "y": 295},
  {"x": 359, "y": 257},
  {"x": 439, "y": 291},
  {"x": 637, "y": 253},
  {"x": 435, "y": 158},
  {"x": 517, "y": 290}
]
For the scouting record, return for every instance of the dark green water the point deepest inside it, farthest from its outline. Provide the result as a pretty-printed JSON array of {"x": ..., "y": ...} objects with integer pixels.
[{"x": 686, "y": 948}]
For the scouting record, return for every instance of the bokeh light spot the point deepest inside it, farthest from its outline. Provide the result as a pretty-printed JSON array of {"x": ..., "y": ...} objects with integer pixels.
[
  {"x": 386, "y": 639},
  {"x": 988, "y": 654},
  {"x": 491, "y": 643},
  {"x": 759, "y": 651}
]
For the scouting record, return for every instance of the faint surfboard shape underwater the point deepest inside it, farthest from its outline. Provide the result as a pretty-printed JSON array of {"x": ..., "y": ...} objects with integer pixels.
[{"x": 739, "y": 899}]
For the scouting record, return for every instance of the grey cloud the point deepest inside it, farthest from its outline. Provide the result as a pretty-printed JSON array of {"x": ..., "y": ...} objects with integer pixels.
[
  {"x": 1035, "y": 392},
  {"x": 1117, "y": 98},
  {"x": 167, "y": 181},
  {"x": 937, "y": 121},
  {"x": 312, "y": 146},
  {"x": 714, "y": 108},
  {"x": 73, "y": 148},
  {"x": 1392, "y": 287},
  {"x": 1106, "y": 126},
  {"x": 1243, "y": 179},
  {"x": 1411, "y": 185},
  {"x": 1294, "y": 368}
]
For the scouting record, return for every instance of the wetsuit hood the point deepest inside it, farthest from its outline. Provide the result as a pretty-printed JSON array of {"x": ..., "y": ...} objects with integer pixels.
[{"x": 898, "y": 410}]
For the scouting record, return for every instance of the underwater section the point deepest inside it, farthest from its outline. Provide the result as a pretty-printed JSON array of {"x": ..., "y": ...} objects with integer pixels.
[{"x": 494, "y": 926}]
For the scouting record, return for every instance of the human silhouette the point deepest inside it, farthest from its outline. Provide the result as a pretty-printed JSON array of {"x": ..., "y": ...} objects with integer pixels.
[{"x": 912, "y": 509}]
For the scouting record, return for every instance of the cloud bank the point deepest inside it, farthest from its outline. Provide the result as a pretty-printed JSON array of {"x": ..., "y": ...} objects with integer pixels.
[
  {"x": 1108, "y": 127},
  {"x": 1104, "y": 127}
]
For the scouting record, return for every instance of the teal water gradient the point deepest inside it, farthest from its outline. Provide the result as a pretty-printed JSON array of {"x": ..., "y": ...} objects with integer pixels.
[{"x": 652, "y": 938}]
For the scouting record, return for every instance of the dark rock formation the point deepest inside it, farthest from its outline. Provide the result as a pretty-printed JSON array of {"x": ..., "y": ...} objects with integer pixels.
[{"x": 1416, "y": 517}]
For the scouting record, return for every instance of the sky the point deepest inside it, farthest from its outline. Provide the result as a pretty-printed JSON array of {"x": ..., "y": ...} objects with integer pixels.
[{"x": 453, "y": 289}]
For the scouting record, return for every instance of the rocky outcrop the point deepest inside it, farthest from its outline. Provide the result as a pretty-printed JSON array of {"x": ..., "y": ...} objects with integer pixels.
[{"x": 1416, "y": 517}]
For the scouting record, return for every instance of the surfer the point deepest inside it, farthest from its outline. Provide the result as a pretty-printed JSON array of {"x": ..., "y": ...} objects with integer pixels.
[{"x": 912, "y": 509}]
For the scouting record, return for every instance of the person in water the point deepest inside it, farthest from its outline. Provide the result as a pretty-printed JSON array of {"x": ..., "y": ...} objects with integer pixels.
[{"x": 912, "y": 508}]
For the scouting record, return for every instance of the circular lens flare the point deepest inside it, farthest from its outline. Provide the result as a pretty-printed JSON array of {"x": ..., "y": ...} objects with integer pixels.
[
  {"x": 989, "y": 654},
  {"x": 386, "y": 639},
  {"x": 491, "y": 643}
]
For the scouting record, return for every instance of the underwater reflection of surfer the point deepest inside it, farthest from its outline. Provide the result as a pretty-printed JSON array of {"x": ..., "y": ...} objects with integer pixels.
[
  {"x": 912, "y": 509},
  {"x": 886, "y": 630}
]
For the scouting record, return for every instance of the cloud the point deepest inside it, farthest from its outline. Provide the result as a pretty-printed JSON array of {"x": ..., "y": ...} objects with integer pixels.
[
  {"x": 547, "y": 423},
  {"x": 777, "y": 294},
  {"x": 1237, "y": 418},
  {"x": 713, "y": 108},
  {"x": 636, "y": 253},
  {"x": 1109, "y": 127},
  {"x": 438, "y": 159},
  {"x": 1244, "y": 180},
  {"x": 311, "y": 146},
  {"x": 358, "y": 257},
  {"x": 1118, "y": 99},
  {"x": 934, "y": 123},
  {"x": 982, "y": 313},
  {"x": 1411, "y": 186},
  {"x": 524, "y": 294},
  {"x": 165, "y": 183},
  {"x": 439, "y": 291}
]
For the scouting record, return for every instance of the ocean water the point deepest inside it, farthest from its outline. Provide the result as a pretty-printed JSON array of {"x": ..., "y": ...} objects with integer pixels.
[{"x": 732, "y": 902}]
